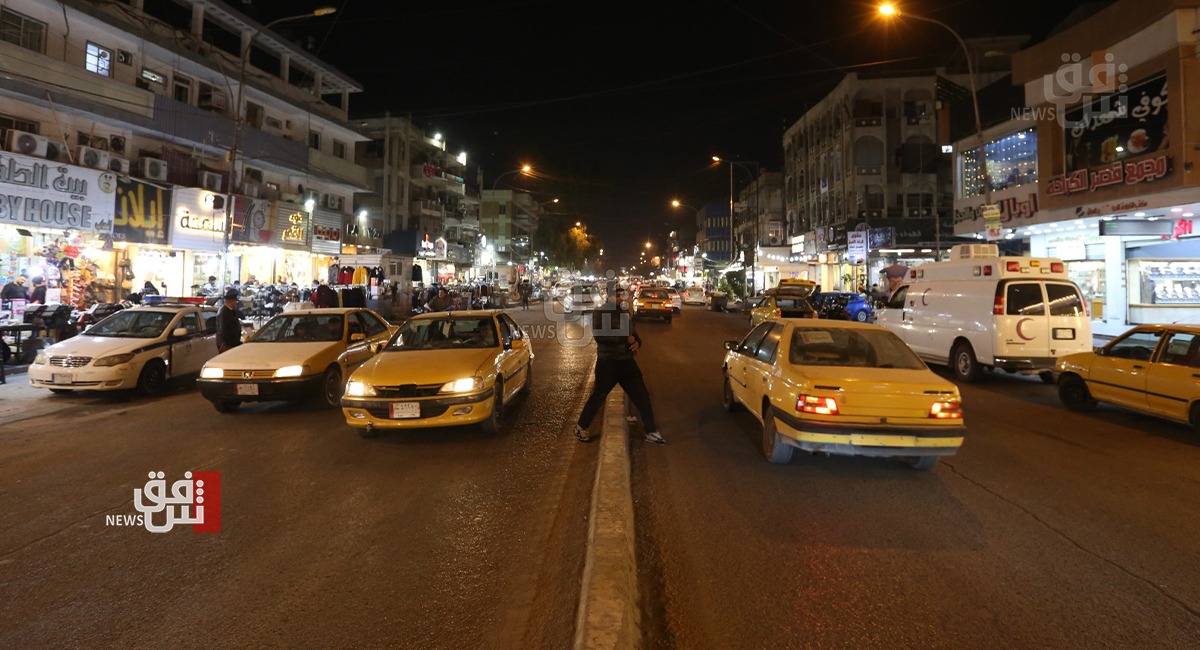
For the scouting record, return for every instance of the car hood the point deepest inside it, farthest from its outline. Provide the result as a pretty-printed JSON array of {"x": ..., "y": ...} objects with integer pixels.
[
  {"x": 98, "y": 346},
  {"x": 271, "y": 356},
  {"x": 883, "y": 392},
  {"x": 396, "y": 368}
]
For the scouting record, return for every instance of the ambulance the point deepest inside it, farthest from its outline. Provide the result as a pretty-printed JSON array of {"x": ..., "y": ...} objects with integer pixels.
[{"x": 979, "y": 311}]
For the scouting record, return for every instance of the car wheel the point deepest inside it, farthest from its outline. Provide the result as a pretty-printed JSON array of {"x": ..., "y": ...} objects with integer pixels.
[
  {"x": 331, "y": 387},
  {"x": 774, "y": 448},
  {"x": 921, "y": 462},
  {"x": 1047, "y": 377},
  {"x": 861, "y": 316},
  {"x": 728, "y": 401},
  {"x": 496, "y": 419},
  {"x": 1074, "y": 394},
  {"x": 225, "y": 406},
  {"x": 528, "y": 385},
  {"x": 153, "y": 380},
  {"x": 964, "y": 364},
  {"x": 62, "y": 391}
]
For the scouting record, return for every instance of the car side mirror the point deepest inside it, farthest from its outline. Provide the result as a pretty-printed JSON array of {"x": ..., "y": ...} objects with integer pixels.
[
  {"x": 508, "y": 343},
  {"x": 357, "y": 336},
  {"x": 1100, "y": 351},
  {"x": 179, "y": 332},
  {"x": 731, "y": 345}
]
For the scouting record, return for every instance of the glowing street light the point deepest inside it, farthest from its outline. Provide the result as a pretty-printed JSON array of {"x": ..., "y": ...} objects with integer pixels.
[
  {"x": 647, "y": 244},
  {"x": 524, "y": 169}
]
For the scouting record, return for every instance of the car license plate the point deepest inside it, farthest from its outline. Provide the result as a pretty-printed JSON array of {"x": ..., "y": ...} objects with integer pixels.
[
  {"x": 61, "y": 378},
  {"x": 406, "y": 410},
  {"x": 247, "y": 389}
]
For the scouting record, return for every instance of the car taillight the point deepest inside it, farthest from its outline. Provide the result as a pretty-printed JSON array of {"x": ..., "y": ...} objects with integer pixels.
[
  {"x": 998, "y": 306},
  {"x": 946, "y": 410},
  {"x": 987, "y": 269},
  {"x": 815, "y": 404}
]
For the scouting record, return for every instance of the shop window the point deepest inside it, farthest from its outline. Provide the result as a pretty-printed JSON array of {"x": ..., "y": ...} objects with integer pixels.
[
  {"x": 1011, "y": 162},
  {"x": 22, "y": 30},
  {"x": 98, "y": 60}
]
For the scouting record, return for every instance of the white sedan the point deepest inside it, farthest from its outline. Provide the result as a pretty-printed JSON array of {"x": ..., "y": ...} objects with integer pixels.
[{"x": 140, "y": 348}]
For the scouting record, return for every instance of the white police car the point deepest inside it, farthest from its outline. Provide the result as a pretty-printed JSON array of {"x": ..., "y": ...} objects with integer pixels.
[{"x": 140, "y": 348}]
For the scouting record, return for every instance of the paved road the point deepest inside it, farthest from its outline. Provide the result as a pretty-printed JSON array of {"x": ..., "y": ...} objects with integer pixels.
[
  {"x": 439, "y": 539},
  {"x": 1050, "y": 529}
]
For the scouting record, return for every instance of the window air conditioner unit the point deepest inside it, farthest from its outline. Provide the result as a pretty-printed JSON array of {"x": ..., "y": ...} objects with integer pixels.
[
  {"x": 92, "y": 157},
  {"x": 213, "y": 102},
  {"x": 28, "y": 144},
  {"x": 333, "y": 202},
  {"x": 153, "y": 169},
  {"x": 119, "y": 165},
  {"x": 54, "y": 151},
  {"x": 774, "y": 241},
  {"x": 210, "y": 181}
]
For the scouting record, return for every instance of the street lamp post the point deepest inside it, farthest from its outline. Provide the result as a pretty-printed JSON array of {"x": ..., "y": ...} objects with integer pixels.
[
  {"x": 890, "y": 10},
  {"x": 239, "y": 120},
  {"x": 523, "y": 169}
]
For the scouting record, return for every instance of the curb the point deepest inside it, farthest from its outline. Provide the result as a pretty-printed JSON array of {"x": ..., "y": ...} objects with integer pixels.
[{"x": 608, "y": 616}]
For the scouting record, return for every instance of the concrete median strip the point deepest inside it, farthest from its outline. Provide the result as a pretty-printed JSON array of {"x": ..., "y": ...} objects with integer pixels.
[{"x": 609, "y": 614}]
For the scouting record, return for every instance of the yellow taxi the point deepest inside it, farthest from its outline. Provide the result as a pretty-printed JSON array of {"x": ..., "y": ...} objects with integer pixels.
[
  {"x": 841, "y": 387},
  {"x": 653, "y": 302},
  {"x": 1151, "y": 369},
  {"x": 789, "y": 300},
  {"x": 442, "y": 369},
  {"x": 295, "y": 356}
]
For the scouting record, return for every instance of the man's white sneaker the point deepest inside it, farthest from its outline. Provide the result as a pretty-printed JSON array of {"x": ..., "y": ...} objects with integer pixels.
[{"x": 654, "y": 437}]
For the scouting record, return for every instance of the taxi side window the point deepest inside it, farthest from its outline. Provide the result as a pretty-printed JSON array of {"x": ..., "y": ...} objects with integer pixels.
[
  {"x": 512, "y": 326},
  {"x": 770, "y": 343},
  {"x": 1136, "y": 345},
  {"x": 1182, "y": 349},
  {"x": 372, "y": 324},
  {"x": 505, "y": 330},
  {"x": 749, "y": 345},
  {"x": 897, "y": 299}
]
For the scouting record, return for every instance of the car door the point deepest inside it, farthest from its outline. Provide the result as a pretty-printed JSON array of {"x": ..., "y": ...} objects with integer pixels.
[
  {"x": 377, "y": 330},
  {"x": 207, "y": 347},
  {"x": 738, "y": 361},
  {"x": 1118, "y": 374},
  {"x": 521, "y": 353},
  {"x": 185, "y": 354},
  {"x": 358, "y": 342},
  {"x": 1171, "y": 380},
  {"x": 760, "y": 365},
  {"x": 510, "y": 360}
]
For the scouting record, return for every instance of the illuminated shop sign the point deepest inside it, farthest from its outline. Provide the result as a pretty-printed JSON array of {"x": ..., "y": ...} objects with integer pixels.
[
  {"x": 34, "y": 192},
  {"x": 1115, "y": 173},
  {"x": 325, "y": 233},
  {"x": 189, "y": 221},
  {"x": 295, "y": 231}
]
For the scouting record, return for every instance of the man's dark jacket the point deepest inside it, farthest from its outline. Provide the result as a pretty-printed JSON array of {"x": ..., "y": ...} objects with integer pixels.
[
  {"x": 229, "y": 328},
  {"x": 611, "y": 327}
]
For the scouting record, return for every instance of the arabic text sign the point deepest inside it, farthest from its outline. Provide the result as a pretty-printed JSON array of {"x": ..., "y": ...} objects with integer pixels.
[
  {"x": 856, "y": 246},
  {"x": 36, "y": 192},
  {"x": 1117, "y": 173},
  {"x": 195, "y": 499}
]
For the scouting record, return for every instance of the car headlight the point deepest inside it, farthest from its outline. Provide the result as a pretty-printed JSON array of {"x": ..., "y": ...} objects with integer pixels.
[
  {"x": 113, "y": 360},
  {"x": 359, "y": 389},
  {"x": 290, "y": 371},
  {"x": 462, "y": 385},
  {"x": 208, "y": 372},
  {"x": 39, "y": 359}
]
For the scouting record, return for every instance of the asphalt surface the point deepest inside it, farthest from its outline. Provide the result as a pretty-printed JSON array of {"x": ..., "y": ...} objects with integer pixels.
[
  {"x": 430, "y": 539},
  {"x": 1049, "y": 529}
]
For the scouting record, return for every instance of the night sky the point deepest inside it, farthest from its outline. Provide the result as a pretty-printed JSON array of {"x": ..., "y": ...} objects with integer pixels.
[{"x": 620, "y": 105}]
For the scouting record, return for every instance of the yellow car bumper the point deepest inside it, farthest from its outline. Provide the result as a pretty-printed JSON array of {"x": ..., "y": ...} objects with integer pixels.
[
  {"x": 361, "y": 412},
  {"x": 869, "y": 440}
]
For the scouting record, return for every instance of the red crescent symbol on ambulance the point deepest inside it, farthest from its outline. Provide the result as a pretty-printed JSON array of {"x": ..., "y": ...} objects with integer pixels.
[
  {"x": 1019, "y": 332},
  {"x": 923, "y": 303}
]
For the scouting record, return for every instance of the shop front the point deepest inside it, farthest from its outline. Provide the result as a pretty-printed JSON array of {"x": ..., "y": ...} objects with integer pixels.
[
  {"x": 326, "y": 245},
  {"x": 56, "y": 223},
  {"x": 196, "y": 237}
]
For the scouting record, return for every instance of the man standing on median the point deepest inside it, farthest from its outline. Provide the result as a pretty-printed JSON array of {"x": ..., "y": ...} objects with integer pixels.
[{"x": 617, "y": 342}]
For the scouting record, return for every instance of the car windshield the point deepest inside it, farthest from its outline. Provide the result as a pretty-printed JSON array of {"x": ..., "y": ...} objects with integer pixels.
[
  {"x": 864, "y": 348},
  {"x": 300, "y": 328},
  {"x": 133, "y": 323},
  {"x": 446, "y": 333},
  {"x": 658, "y": 294}
]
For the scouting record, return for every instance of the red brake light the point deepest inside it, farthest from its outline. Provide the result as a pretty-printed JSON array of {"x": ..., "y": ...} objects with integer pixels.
[
  {"x": 987, "y": 269},
  {"x": 946, "y": 410},
  {"x": 998, "y": 306},
  {"x": 1012, "y": 266},
  {"x": 1056, "y": 267},
  {"x": 817, "y": 405}
]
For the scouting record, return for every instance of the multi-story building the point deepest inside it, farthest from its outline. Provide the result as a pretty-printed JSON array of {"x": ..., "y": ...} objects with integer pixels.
[
  {"x": 761, "y": 230},
  {"x": 508, "y": 220},
  {"x": 166, "y": 143},
  {"x": 868, "y": 156},
  {"x": 425, "y": 194}
]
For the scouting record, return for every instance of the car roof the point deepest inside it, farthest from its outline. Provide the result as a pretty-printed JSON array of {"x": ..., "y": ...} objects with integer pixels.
[
  {"x": 821, "y": 323},
  {"x": 470, "y": 313},
  {"x": 322, "y": 310}
]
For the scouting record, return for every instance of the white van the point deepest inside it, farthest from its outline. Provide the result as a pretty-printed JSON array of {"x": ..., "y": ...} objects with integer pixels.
[{"x": 978, "y": 310}]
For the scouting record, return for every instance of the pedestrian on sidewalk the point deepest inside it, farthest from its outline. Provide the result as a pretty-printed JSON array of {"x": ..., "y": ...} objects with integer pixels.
[
  {"x": 617, "y": 342},
  {"x": 229, "y": 326}
]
